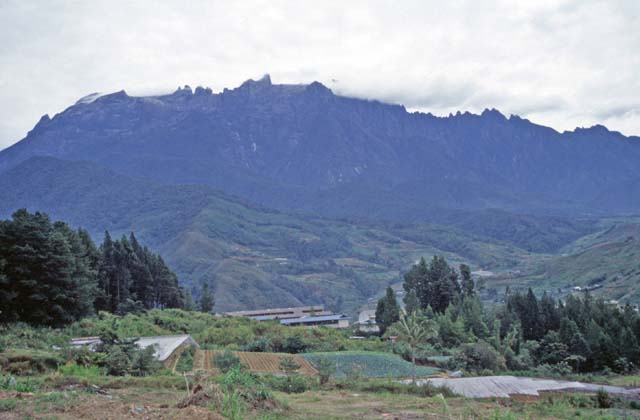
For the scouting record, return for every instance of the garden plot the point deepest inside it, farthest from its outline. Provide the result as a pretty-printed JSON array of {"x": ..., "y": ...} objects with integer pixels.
[
  {"x": 370, "y": 364},
  {"x": 254, "y": 361}
]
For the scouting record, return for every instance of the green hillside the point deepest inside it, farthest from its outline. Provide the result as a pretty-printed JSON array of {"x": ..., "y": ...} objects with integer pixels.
[
  {"x": 252, "y": 257},
  {"x": 609, "y": 257}
]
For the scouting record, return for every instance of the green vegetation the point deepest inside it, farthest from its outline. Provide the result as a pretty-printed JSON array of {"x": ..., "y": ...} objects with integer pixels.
[
  {"x": 387, "y": 310},
  {"x": 368, "y": 364},
  {"x": 52, "y": 275}
]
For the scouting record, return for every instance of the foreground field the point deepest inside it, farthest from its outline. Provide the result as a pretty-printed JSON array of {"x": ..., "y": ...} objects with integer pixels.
[{"x": 145, "y": 403}]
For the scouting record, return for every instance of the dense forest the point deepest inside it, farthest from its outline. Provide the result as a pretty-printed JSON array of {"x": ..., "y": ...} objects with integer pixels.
[
  {"x": 53, "y": 275},
  {"x": 579, "y": 333}
]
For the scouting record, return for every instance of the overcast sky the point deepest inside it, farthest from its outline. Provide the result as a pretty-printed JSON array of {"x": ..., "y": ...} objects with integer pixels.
[{"x": 559, "y": 63}]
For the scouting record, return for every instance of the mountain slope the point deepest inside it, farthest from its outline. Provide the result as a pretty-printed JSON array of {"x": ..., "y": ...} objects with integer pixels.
[
  {"x": 302, "y": 148},
  {"x": 253, "y": 257}
]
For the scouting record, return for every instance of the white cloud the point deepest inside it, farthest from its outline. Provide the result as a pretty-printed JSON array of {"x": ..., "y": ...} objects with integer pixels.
[{"x": 560, "y": 63}]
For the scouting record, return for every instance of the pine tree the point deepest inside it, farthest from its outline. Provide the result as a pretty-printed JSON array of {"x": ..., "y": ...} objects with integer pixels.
[
  {"x": 411, "y": 302},
  {"x": 435, "y": 285},
  {"x": 206, "y": 299},
  {"x": 387, "y": 310},
  {"x": 467, "y": 281},
  {"x": 45, "y": 276},
  {"x": 189, "y": 304},
  {"x": 142, "y": 281}
]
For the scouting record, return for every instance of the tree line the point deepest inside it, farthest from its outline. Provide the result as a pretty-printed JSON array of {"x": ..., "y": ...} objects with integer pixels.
[
  {"x": 53, "y": 275},
  {"x": 578, "y": 333}
]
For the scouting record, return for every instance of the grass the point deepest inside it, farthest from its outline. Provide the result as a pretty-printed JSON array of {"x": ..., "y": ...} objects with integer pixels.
[
  {"x": 8, "y": 404},
  {"x": 369, "y": 364}
]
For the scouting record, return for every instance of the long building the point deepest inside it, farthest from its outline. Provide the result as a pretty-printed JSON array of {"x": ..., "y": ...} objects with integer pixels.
[
  {"x": 283, "y": 313},
  {"x": 331, "y": 321}
]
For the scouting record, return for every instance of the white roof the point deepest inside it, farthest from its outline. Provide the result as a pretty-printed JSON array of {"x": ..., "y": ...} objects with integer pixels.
[{"x": 165, "y": 345}]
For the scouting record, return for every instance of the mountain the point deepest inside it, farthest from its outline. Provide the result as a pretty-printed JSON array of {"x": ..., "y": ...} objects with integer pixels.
[
  {"x": 280, "y": 195},
  {"x": 302, "y": 148},
  {"x": 252, "y": 256}
]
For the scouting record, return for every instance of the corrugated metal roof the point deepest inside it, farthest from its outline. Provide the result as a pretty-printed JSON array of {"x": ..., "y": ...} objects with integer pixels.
[{"x": 312, "y": 319}]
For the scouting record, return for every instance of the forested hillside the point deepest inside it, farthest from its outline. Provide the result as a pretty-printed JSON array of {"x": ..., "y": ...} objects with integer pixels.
[{"x": 251, "y": 256}]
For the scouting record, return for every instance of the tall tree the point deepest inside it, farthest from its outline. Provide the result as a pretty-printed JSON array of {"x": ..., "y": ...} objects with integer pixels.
[
  {"x": 411, "y": 302},
  {"x": 206, "y": 299},
  {"x": 387, "y": 310},
  {"x": 466, "y": 280},
  {"x": 435, "y": 285},
  {"x": 45, "y": 274}
]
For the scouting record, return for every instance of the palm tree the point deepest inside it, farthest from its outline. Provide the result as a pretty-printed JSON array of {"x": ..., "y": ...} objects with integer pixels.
[{"x": 413, "y": 330}]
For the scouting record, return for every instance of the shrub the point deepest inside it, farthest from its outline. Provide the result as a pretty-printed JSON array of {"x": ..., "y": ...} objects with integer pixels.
[
  {"x": 8, "y": 404},
  {"x": 603, "y": 399},
  {"x": 246, "y": 386},
  {"x": 289, "y": 366},
  {"x": 116, "y": 361},
  {"x": 325, "y": 368},
  {"x": 479, "y": 357},
  {"x": 185, "y": 362},
  {"x": 291, "y": 384},
  {"x": 143, "y": 362},
  {"x": 623, "y": 365},
  {"x": 226, "y": 361},
  {"x": 73, "y": 369},
  {"x": 558, "y": 370}
]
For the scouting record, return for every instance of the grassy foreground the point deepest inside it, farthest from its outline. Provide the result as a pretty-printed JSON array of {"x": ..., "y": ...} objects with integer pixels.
[
  {"x": 77, "y": 393},
  {"x": 142, "y": 402}
]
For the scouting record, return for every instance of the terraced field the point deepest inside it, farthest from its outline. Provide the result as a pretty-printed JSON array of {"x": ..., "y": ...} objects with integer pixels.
[{"x": 255, "y": 362}]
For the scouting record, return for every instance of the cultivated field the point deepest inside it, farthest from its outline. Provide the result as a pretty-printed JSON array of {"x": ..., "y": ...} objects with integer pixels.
[
  {"x": 370, "y": 364},
  {"x": 255, "y": 362}
]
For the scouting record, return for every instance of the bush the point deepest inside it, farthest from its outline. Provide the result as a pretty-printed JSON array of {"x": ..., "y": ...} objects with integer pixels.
[
  {"x": 558, "y": 370},
  {"x": 73, "y": 369},
  {"x": 185, "y": 362},
  {"x": 248, "y": 386},
  {"x": 8, "y": 404},
  {"x": 143, "y": 362},
  {"x": 226, "y": 361},
  {"x": 325, "y": 368},
  {"x": 289, "y": 366},
  {"x": 116, "y": 361},
  {"x": 603, "y": 399},
  {"x": 479, "y": 357},
  {"x": 291, "y": 384}
]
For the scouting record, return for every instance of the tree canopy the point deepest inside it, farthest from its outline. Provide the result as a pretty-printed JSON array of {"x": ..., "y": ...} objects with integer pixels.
[{"x": 53, "y": 275}]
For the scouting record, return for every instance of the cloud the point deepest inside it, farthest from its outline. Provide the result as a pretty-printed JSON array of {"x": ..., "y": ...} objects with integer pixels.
[{"x": 560, "y": 63}]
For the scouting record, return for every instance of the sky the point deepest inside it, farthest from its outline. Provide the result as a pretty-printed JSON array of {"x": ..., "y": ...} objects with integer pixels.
[{"x": 560, "y": 63}]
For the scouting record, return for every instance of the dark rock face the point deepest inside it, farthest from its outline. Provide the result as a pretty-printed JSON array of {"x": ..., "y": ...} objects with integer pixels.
[{"x": 302, "y": 148}]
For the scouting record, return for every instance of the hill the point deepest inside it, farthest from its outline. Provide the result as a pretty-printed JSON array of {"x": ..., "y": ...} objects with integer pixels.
[
  {"x": 253, "y": 256},
  {"x": 607, "y": 261},
  {"x": 302, "y": 148}
]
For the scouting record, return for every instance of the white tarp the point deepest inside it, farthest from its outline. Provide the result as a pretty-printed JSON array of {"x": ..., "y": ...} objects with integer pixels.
[
  {"x": 504, "y": 386},
  {"x": 165, "y": 345}
]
